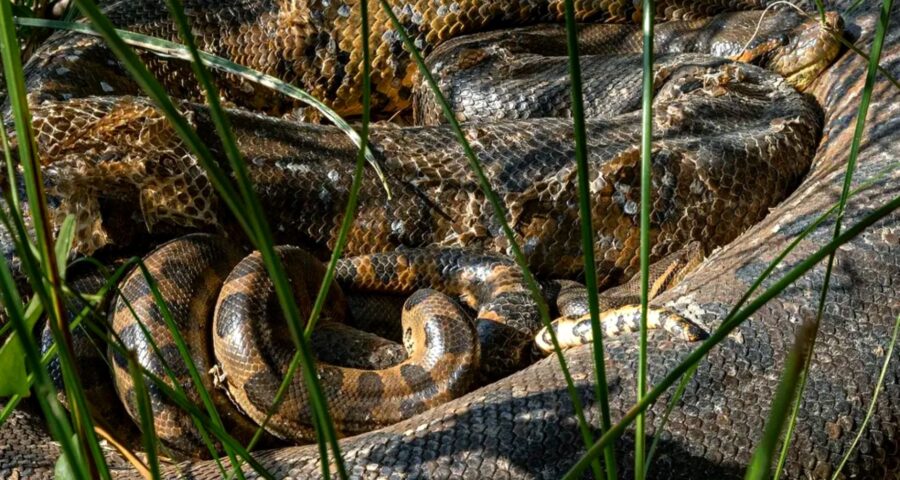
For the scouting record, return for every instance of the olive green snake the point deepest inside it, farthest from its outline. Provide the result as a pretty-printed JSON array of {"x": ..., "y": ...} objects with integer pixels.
[{"x": 875, "y": 254}]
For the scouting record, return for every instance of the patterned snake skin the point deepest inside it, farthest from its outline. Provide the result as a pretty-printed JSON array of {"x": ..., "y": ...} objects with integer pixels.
[{"x": 522, "y": 426}]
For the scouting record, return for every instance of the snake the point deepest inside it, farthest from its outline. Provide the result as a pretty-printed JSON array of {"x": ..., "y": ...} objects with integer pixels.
[
  {"x": 777, "y": 117},
  {"x": 508, "y": 427}
]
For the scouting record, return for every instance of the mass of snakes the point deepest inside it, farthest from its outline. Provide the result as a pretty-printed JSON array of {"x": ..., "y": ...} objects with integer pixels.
[{"x": 429, "y": 348}]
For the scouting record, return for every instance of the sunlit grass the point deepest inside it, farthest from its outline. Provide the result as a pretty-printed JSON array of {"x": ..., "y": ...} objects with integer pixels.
[
  {"x": 241, "y": 199},
  {"x": 173, "y": 50},
  {"x": 640, "y": 438},
  {"x": 761, "y": 462},
  {"x": 145, "y": 412},
  {"x": 500, "y": 214},
  {"x": 45, "y": 277},
  {"x": 888, "y": 356},
  {"x": 729, "y": 324},
  {"x": 601, "y": 389},
  {"x": 865, "y": 100}
]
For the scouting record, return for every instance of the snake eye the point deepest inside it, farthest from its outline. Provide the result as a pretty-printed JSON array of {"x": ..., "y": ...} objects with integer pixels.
[{"x": 784, "y": 39}]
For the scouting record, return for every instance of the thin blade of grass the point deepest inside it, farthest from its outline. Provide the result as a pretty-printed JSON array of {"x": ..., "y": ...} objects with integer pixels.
[
  {"x": 500, "y": 214},
  {"x": 173, "y": 50},
  {"x": 92, "y": 308},
  {"x": 251, "y": 223},
  {"x": 871, "y": 410},
  {"x": 15, "y": 381},
  {"x": 128, "y": 455},
  {"x": 676, "y": 397},
  {"x": 350, "y": 209},
  {"x": 12, "y": 191},
  {"x": 862, "y": 113},
  {"x": 196, "y": 414},
  {"x": 45, "y": 393},
  {"x": 183, "y": 351},
  {"x": 640, "y": 439},
  {"x": 145, "y": 412},
  {"x": 878, "y": 176},
  {"x": 727, "y": 327},
  {"x": 51, "y": 297},
  {"x": 262, "y": 240},
  {"x": 111, "y": 282},
  {"x": 820, "y": 8},
  {"x": 601, "y": 389},
  {"x": 64, "y": 239},
  {"x": 34, "y": 309},
  {"x": 341, "y": 241},
  {"x": 213, "y": 415},
  {"x": 761, "y": 463},
  {"x": 148, "y": 83}
]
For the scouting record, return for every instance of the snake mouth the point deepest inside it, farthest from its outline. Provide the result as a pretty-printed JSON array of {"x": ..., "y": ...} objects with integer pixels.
[
  {"x": 809, "y": 52},
  {"x": 800, "y": 53}
]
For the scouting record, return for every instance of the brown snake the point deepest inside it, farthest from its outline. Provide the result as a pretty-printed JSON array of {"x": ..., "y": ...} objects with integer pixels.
[{"x": 485, "y": 409}]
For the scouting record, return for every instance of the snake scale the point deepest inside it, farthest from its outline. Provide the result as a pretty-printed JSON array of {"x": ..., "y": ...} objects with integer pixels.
[{"x": 523, "y": 426}]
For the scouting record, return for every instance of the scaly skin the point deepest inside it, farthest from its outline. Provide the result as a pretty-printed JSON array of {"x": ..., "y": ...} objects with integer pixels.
[
  {"x": 104, "y": 155},
  {"x": 317, "y": 45},
  {"x": 526, "y": 416},
  {"x": 223, "y": 307},
  {"x": 524, "y": 427}
]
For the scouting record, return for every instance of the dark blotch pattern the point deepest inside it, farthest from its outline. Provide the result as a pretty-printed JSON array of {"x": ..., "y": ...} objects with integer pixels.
[
  {"x": 416, "y": 377},
  {"x": 370, "y": 384},
  {"x": 131, "y": 337},
  {"x": 416, "y": 298},
  {"x": 229, "y": 318}
]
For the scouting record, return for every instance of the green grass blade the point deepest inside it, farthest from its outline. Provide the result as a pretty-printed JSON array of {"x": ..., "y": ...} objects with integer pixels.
[
  {"x": 761, "y": 463},
  {"x": 183, "y": 351},
  {"x": 146, "y": 414},
  {"x": 350, "y": 209},
  {"x": 871, "y": 410},
  {"x": 640, "y": 439},
  {"x": 855, "y": 5},
  {"x": 500, "y": 214},
  {"x": 865, "y": 100},
  {"x": 145, "y": 80},
  {"x": 727, "y": 327},
  {"x": 64, "y": 240},
  {"x": 13, "y": 192},
  {"x": 261, "y": 235},
  {"x": 820, "y": 7},
  {"x": 45, "y": 393},
  {"x": 37, "y": 203},
  {"x": 676, "y": 397},
  {"x": 197, "y": 415},
  {"x": 34, "y": 310},
  {"x": 170, "y": 375},
  {"x": 601, "y": 389},
  {"x": 169, "y": 49},
  {"x": 341, "y": 241},
  {"x": 252, "y": 222}
]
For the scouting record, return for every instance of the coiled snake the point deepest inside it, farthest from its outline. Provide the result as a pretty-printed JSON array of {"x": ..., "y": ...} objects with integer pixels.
[{"x": 727, "y": 400}]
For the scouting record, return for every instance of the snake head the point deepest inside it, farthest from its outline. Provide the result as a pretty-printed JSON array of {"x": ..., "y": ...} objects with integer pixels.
[{"x": 798, "y": 53}]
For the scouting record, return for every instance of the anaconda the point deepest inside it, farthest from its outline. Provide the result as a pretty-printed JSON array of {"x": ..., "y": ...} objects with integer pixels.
[
  {"x": 505, "y": 409},
  {"x": 704, "y": 142}
]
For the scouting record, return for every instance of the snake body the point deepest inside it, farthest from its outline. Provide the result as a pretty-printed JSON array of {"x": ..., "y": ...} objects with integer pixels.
[
  {"x": 697, "y": 156},
  {"x": 200, "y": 272},
  {"x": 511, "y": 425}
]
